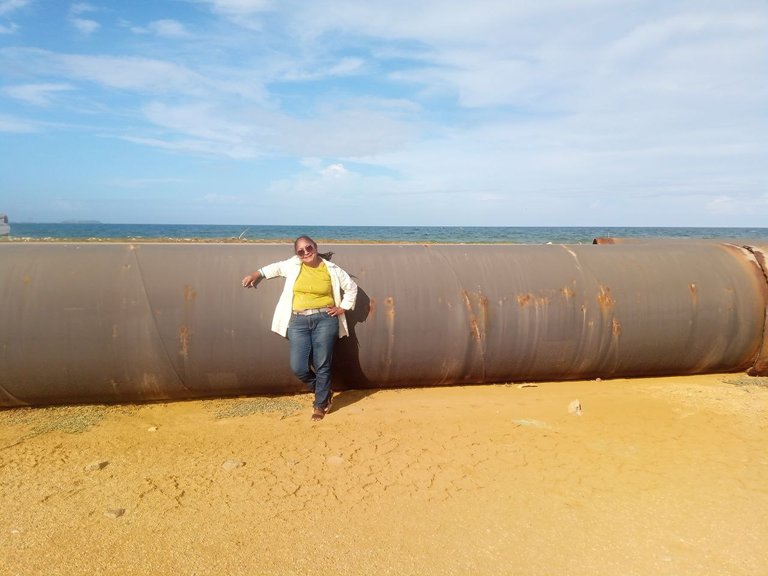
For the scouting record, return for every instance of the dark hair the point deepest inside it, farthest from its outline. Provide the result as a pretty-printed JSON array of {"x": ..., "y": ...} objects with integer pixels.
[{"x": 323, "y": 255}]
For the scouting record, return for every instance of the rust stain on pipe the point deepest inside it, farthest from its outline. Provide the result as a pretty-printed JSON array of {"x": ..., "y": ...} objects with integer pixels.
[
  {"x": 694, "y": 293},
  {"x": 604, "y": 297},
  {"x": 389, "y": 307},
  {"x": 184, "y": 338},
  {"x": 525, "y": 300},
  {"x": 389, "y": 304},
  {"x": 476, "y": 306},
  {"x": 189, "y": 294}
]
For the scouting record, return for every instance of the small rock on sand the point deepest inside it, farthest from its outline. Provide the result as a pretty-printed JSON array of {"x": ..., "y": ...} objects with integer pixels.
[
  {"x": 530, "y": 422},
  {"x": 98, "y": 465},
  {"x": 114, "y": 513},
  {"x": 575, "y": 408},
  {"x": 230, "y": 465}
]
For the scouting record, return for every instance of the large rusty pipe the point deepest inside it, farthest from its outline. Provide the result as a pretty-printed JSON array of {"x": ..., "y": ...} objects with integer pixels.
[{"x": 138, "y": 322}]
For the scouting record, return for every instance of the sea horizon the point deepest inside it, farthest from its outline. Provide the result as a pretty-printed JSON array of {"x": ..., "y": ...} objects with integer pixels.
[{"x": 91, "y": 230}]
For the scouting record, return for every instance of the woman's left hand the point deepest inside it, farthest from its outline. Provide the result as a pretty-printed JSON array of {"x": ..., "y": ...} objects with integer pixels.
[{"x": 335, "y": 311}]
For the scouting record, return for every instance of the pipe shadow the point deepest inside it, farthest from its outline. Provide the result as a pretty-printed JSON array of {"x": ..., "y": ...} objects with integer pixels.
[
  {"x": 345, "y": 398},
  {"x": 349, "y": 379}
]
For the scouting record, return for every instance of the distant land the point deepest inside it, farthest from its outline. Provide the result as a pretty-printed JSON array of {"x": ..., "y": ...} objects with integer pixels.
[{"x": 81, "y": 222}]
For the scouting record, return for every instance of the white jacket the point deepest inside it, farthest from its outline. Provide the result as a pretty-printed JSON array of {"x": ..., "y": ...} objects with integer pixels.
[{"x": 290, "y": 269}]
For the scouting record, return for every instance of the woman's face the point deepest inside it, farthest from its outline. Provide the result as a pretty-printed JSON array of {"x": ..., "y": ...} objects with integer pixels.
[{"x": 306, "y": 251}]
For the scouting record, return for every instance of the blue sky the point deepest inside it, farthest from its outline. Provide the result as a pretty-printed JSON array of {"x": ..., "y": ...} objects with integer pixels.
[{"x": 353, "y": 112}]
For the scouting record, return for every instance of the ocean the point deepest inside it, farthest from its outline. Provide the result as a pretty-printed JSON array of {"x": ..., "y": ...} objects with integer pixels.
[{"x": 418, "y": 234}]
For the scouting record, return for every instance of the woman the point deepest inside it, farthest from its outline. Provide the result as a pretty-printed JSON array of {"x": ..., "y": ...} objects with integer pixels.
[{"x": 310, "y": 313}]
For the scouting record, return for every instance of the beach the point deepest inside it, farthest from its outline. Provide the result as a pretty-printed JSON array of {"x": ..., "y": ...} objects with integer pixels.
[{"x": 639, "y": 476}]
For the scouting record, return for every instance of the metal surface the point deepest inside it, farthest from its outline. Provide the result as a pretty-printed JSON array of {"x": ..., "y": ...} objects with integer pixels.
[
  {"x": 654, "y": 240},
  {"x": 760, "y": 252},
  {"x": 139, "y": 322}
]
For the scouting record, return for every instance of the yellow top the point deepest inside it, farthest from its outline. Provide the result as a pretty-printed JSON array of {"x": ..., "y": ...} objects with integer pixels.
[{"x": 313, "y": 288}]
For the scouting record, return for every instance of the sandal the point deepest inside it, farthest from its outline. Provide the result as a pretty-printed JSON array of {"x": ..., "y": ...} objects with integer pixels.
[
  {"x": 327, "y": 407},
  {"x": 318, "y": 414}
]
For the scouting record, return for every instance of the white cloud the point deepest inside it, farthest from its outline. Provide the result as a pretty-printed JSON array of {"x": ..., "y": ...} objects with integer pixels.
[
  {"x": 202, "y": 129},
  {"x": 498, "y": 81},
  {"x": 85, "y": 26},
  {"x": 354, "y": 132},
  {"x": 163, "y": 29},
  {"x": 343, "y": 67},
  {"x": 82, "y": 8},
  {"x": 123, "y": 72},
  {"x": 37, "y": 94},
  {"x": 200, "y": 121},
  {"x": 17, "y": 126},
  {"x": 239, "y": 7},
  {"x": 188, "y": 146},
  {"x": 251, "y": 132},
  {"x": 244, "y": 13},
  {"x": 8, "y": 6},
  {"x": 334, "y": 171},
  {"x": 437, "y": 22},
  {"x": 739, "y": 205},
  {"x": 169, "y": 29},
  {"x": 139, "y": 183},
  {"x": 133, "y": 74},
  {"x": 495, "y": 54}
]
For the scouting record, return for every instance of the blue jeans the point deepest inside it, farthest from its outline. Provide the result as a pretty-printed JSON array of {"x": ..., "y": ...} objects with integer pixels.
[{"x": 312, "y": 340}]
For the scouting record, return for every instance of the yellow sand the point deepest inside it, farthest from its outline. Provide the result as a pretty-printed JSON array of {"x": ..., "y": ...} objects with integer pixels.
[{"x": 665, "y": 476}]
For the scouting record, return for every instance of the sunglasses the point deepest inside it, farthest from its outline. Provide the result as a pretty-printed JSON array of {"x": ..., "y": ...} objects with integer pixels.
[{"x": 308, "y": 249}]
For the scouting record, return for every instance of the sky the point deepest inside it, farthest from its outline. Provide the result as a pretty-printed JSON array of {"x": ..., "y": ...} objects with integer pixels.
[{"x": 358, "y": 112}]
